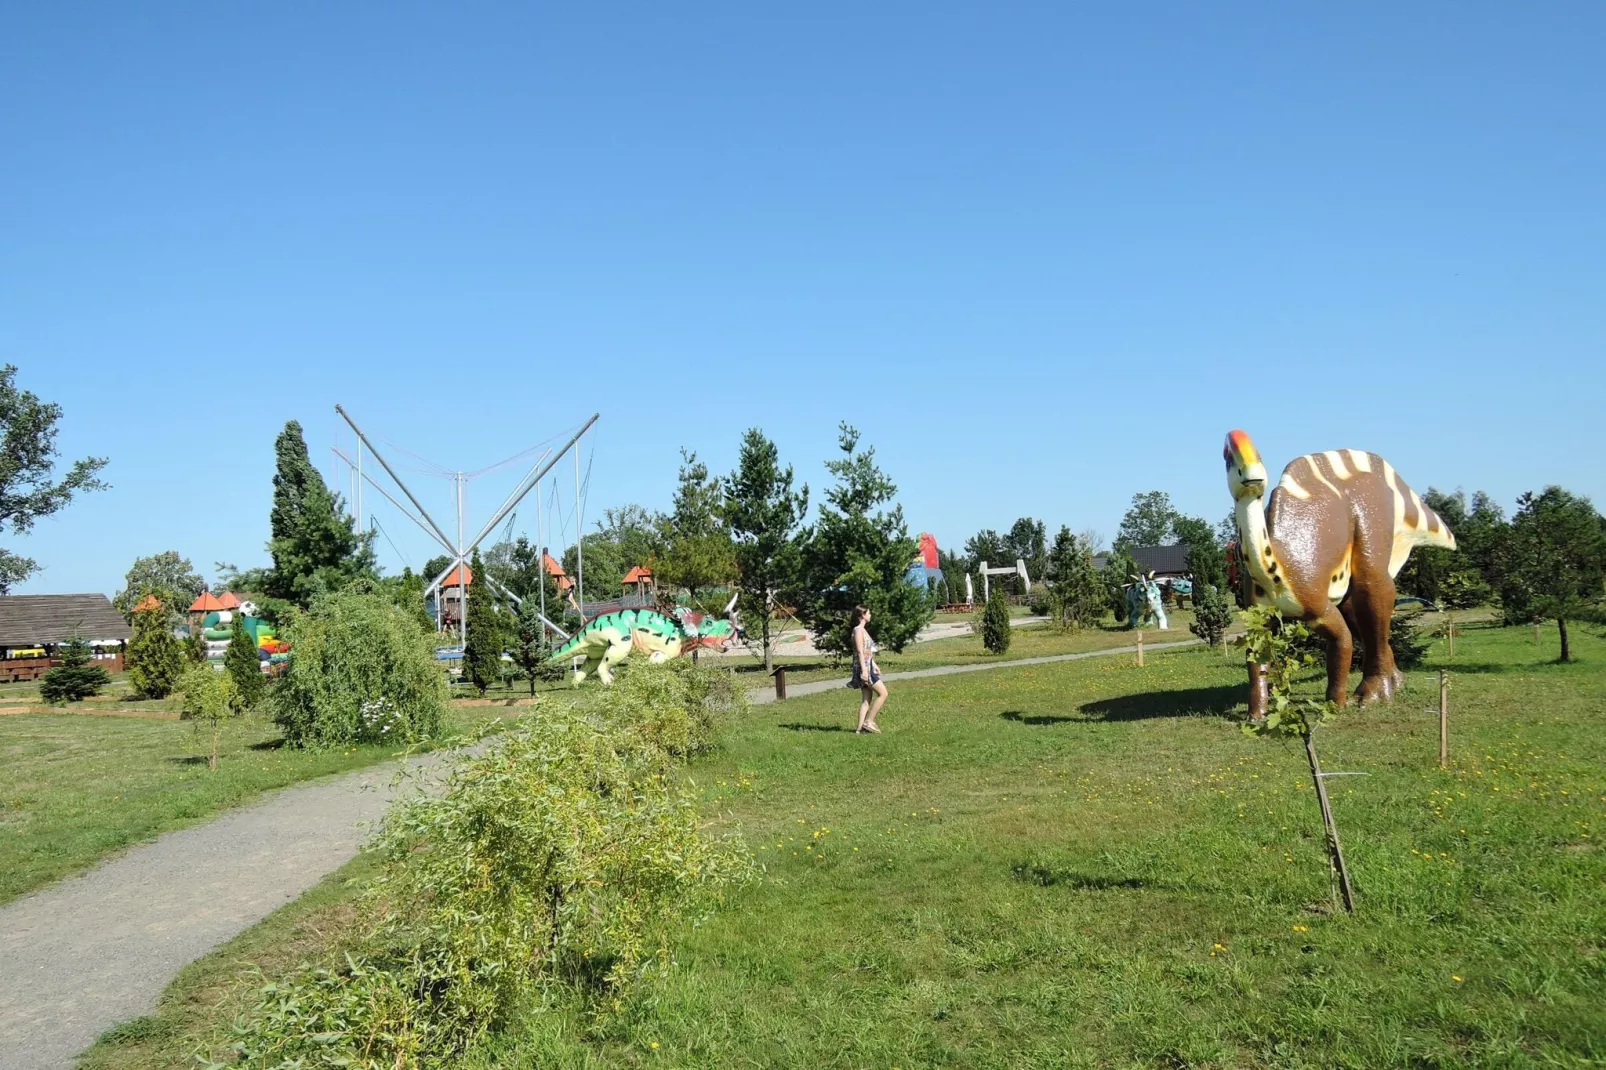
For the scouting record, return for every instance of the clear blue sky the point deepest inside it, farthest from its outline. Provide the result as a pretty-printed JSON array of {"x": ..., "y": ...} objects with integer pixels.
[{"x": 1044, "y": 256}]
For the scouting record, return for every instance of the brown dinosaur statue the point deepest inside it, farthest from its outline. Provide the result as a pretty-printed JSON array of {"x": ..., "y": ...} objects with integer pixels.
[{"x": 1326, "y": 549}]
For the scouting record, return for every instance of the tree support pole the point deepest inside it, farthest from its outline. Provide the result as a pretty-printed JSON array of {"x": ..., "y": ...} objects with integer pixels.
[{"x": 1335, "y": 851}]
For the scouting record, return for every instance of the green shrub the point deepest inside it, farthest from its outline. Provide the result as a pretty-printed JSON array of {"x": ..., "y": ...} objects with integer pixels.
[
  {"x": 154, "y": 658},
  {"x": 76, "y": 678},
  {"x": 244, "y": 666},
  {"x": 995, "y": 622},
  {"x": 1212, "y": 614},
  {"x": 678, "y": 707},
  {"x": 562, "y": 858},
  {"x": 349, "y": 652}
]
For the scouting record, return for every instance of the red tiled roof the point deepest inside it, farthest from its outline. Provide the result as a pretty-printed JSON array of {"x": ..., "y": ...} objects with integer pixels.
[
  {"x": 228, "y": 600},
  {"x": 639, "y": 574},
  {"x": 206, "y": 604},
  {"x": 454, "y": 578}
]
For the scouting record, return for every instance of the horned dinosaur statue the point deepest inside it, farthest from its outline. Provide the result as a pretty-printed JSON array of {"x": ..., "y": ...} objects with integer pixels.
[
  {"x": 1143, "y": 603},
  {"x": 608, "y": 640},
  {"x": 1326, "y": 549}
]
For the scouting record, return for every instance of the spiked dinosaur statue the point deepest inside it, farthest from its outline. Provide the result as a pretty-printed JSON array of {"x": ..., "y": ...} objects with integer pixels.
[
  {"x": 608, "y": 640},
  {"x": 1339, "y": 527}
]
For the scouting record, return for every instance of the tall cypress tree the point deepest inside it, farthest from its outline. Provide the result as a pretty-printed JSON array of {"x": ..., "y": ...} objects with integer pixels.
[
  {"x": 482, "y": 649},
  {"x": 244, "y": 665},
  {"x": 154, "y": 658},
  {"x": 313, "y": 540}
]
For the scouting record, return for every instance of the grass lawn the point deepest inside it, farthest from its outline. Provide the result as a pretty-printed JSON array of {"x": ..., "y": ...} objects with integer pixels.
[
  {"x": 1087, "y": 864},
  {"x": 75, "y": 788}
]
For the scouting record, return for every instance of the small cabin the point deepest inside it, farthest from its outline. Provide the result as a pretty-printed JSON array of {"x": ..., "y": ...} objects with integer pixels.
[{"x": 34, "y": 627}]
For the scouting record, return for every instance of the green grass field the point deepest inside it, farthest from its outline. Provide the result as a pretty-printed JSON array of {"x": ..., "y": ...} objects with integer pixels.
[
  {"x": 1088, "y": 864},
  {"x": 75, "y": 788}
]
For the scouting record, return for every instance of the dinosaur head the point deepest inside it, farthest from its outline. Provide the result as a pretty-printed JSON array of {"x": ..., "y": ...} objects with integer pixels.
[
  {"x": 1246, "y": 475},
  {"x": 701, "y": 630}
]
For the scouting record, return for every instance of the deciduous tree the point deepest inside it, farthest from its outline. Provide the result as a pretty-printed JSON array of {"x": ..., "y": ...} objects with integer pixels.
[
  {"x": 1150, "y": 521},
  {"x": 168, "y": 577},
  {"x": 28, "y": 487},
  {"x": 1555, "y": 558}
]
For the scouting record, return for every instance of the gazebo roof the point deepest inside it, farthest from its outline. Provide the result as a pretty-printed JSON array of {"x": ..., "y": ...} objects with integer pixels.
[
  {"x": 639, "y": 574},
  {"x": 207, "y": 603},
  {"x": 228, "y": 600},
  {"x": 455, "y": 577}
]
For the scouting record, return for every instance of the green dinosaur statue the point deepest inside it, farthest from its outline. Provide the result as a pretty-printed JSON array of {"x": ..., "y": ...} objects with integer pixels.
[{"x": 608, "y": 640}]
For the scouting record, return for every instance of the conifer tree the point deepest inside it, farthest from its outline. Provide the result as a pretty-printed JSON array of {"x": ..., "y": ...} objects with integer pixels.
[
  {"x": 698, "y": 553},
  {"x": 76, "y": 678},
  {"x": 1077, "y": 594},
  {"x": 312, "y": 538},
  {"x": 763, "y": 514},
  {"x": 195, "y": 647},
  {"x": 531, "y": 647},
  {"x": 244, "y": 665},
  {"x": 482, "y": 649},
  {"x": 154, "y": 658},
  {"x": 995, "y": 629},
  {"x": 858, "y": 553}
]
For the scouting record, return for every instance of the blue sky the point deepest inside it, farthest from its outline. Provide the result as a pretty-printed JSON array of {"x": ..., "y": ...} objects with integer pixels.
[{"x": 1044, "y": 256}]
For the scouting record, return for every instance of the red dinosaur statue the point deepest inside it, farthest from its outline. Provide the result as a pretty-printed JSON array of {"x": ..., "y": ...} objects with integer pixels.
[{"x": 1327, "y": 548}]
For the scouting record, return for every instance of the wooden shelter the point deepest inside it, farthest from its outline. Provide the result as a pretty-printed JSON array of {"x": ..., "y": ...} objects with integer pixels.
[{"x": 33, "y": 627}]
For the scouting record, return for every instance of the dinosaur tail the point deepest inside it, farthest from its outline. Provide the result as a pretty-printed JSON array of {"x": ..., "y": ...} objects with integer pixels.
[{"x": 567, "y": 648}]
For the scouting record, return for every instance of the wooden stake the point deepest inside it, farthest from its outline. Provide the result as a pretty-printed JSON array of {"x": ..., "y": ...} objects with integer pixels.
[
  {"x": 1444, "y": 719},
  {"x": 1536, "y": 633},
  {"x": 1449, "y": 624},
  {"x": 1140, "y": 650},
  {"x": 780, "y": 683},
  {"x": 1335, "y": 851}
]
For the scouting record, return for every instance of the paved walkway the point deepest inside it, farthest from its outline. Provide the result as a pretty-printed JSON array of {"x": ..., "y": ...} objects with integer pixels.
[{"x": 82, "y": 955}]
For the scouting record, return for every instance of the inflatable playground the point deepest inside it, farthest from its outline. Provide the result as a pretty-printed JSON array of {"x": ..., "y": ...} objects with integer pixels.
[{"x": 214, "y": 617}]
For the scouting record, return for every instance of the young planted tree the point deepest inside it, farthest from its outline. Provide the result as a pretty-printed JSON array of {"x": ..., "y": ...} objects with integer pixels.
[
  {"x": 209, "y": 699},
  {"x": 698, "y": 553},
  {"x": 1212, "y": 614},
  {"x": 155, "y": 660},
  {"x": 995, "y": 629},
  {"x": 28, "y": 489},
  {"x": 482, "y": 650},
  {"x": 244, "y": 666},
  {"x": 858, "y": 553},
  {"x": 1119, "y": 568},
  {"x": 314, "y": 544},
  {"x": 763, "y": 514},
  {"x": 76, "y": 678},
  {"x": 1555, "y": 559},
  {"x": 531, "y": 645}
]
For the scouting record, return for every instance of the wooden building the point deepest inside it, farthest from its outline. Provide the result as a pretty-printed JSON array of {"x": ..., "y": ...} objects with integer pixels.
[{"x": 33, "y": 627}]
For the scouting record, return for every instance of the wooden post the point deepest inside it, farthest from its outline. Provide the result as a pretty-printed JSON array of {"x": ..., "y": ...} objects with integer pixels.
[
  {"x": 1259, "y": 692},
  {"x": 1444, "y": 719},
  {"x": 1335, "y": 851},
  {"x": 1449, "y": 626},
  {"x": 780, "y": 683},
  {"x": 1536, "y": 633},
  {"x": 1140, "y": 650}
]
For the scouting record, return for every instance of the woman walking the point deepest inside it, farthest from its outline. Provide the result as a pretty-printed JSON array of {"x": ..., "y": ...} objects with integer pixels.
[{"x": 866, "y": 673}]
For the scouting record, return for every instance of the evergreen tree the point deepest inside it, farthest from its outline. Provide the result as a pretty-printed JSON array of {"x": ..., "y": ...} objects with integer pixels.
[
  {"x": 1027, "y": 542},
  {"x": 1555, "y": 559},
  {"x": 154, "y": 658},
  {"x": 531, "y": 646},
  {"x": 76, "y": 678},
  {"x": 482, "y": 650},
  {"x": 1077, "y": 595},
  {"x": 314, "y": 544},
  {"x": 1119, "y": 568},
  {"x": 858, "y": 552},
  {"x": 763, "y": 514},
  {"x": 244, "y": 665},
  {"x": 995, "y": 629},
  {"x": 1212, "y": 613},
  {"x": 195, "y": 647},
  {"x": 698, "y": 553}
]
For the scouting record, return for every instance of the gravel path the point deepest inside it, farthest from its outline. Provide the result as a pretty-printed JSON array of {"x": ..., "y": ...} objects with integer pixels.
[{"x": 82, "y": 955}]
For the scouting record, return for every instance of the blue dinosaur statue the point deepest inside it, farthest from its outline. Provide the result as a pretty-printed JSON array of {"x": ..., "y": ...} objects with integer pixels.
[{"x": 1143, "y": 603}]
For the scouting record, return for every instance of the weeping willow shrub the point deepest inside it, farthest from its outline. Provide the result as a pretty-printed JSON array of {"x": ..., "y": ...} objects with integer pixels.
[
  {"x": 562, "y": 860},
  {"x": 353, "y": 652},
  {"x": 678, "y": 707}
]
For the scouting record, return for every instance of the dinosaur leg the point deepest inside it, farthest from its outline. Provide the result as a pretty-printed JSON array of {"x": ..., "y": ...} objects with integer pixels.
[
  {"x": 1331, "y": 626},
  {"x": 617, "y": 651},
  {"x": 1372, "y": 612},
  {"x": 586, "y": 668}
]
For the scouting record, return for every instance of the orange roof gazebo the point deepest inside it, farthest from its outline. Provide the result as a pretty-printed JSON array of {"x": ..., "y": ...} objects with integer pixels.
[
  {"x": 149, "y": 602},
  {"x": 206, "y": 604},
  {"x": 456, "y": 577},
  {"x": 228, "y": 600},
  {"x": 555, "y": 570}
]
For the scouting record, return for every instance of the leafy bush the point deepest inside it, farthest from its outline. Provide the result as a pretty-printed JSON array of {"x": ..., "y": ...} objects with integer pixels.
[
  {"x": 208, "y": 696},
  {"x": 76, "y": 678},
  {"x": 677, "y": 707},
  {"x": 563, "y": 857},
  {"x": 350, "y": 650},
  {"x": 995, "y": 622},
  {"x": 1212, "y": 615}
]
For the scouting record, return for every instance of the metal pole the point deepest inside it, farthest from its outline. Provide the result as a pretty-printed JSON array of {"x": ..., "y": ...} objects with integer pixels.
[
  {"x": 579, "y": 545},
  {"x": 540, "y": 554},
  {"x": 392, "y": 473},
  {"x": 462, "y": 576},
  {"x": 358, "y": 494},
  {"x": 427, "y": 529}
]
